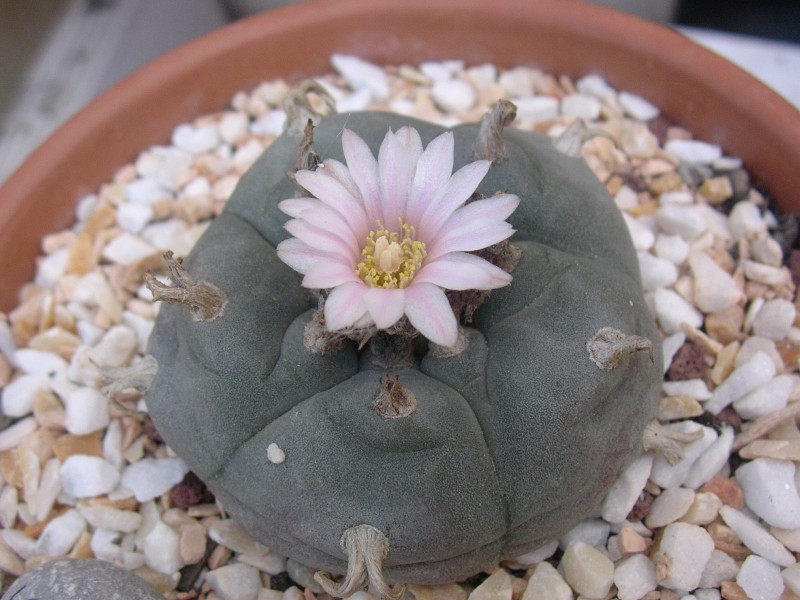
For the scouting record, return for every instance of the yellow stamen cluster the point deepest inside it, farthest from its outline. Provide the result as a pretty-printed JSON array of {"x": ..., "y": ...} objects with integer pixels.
[{"x": 389, "y": 260}]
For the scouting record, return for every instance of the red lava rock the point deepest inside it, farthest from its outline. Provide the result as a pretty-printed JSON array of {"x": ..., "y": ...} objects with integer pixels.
[
  {"x": 150, "y": 431},
  {"x": 659, "y": 127},
  {"x": 689, "y": 362},
  {"x": 793, "y": 263},
  {"x": 642, "y": 506},
  {"x": 190, "y": 491},
  {"x": 726, "y": 490},
  {"x": 729, "y": 416}
]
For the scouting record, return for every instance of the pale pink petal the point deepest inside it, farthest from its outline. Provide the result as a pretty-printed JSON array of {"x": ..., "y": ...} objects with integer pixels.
[
  {"x": 320, "y": 239},
  {"x": 462, "y": 271},
  {"x": 294, "y": 207},
  {"x": 340, "y": 172},
  {"x": 299, "y": 255},
  {"x": 327, "y": 219},
  {"x": 469, "y": 240},
  {"x": 345, "y": 305},
  {"x": 331, "y": 192},
  {"x": 397, "y": 161},
  {"x": 430, "y": 313},
  {"x": 433, "y": 171},
  {"x": 328, "y": 273},
  {"x": 364, "y": 169},
  {"x": 385, "y": 306},
  {"x": 495, "y": 208},
  {"x": 459, "y": 188}
]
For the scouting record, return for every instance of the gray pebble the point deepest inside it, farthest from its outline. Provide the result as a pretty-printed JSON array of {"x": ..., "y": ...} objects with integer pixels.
[{"x": 80, "y": 579}]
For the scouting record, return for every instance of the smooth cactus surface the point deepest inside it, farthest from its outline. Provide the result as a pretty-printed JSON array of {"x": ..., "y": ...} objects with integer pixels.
[{"x": 511, "y": 442}]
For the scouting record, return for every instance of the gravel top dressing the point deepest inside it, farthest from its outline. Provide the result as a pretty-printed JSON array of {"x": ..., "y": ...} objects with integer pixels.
[{"x": 711, "y": 509}]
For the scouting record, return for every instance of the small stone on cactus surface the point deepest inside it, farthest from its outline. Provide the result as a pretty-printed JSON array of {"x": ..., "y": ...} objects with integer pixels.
[{"x": 387, "y": 236}]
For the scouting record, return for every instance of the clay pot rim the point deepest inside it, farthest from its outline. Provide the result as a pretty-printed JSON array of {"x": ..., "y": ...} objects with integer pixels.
[{"x": 696, "y": 87}]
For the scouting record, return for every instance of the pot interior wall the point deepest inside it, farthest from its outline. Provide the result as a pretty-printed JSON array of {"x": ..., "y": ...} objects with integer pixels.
[{"x": 692, "y": 86}]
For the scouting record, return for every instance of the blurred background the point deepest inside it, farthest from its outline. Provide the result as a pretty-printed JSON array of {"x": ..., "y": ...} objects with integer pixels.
[{"x": 56, "y": 55}]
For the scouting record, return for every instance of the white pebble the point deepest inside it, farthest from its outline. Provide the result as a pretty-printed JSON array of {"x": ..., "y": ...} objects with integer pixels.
[
  {"x": 362, "y": 74},
  {"x": 754, "y": 344},
  {"x": 693, "y": 151},
  {"x": 635, "y": 577},
  {"x": 687, "y": 549},
  {"x": 358, "y": 100},
  {"x": 534, "y": 557},
  {"x": 195, "y": 140},
  {"x": 105, "y": 545},
  {"x": 235, "y": 582},
  {"x": 441, "y": 70},
  {"x": 9, "y": 502},
  {"x": 60, "y": 534},
  {"x": 587, "y": 570},
  {"x": 670, "y": 345},
  {"x": 627, "y": 199},
  {"x": 672, "y": 248},
  {"x": 622, "y": 496},
  {"x": 770, "y": 491},
  {"x": 755, "y": 537},
  {"x": 114, "y": 519},
  {"x": 536, "y": 108},
  {"x": 720, "y": 567},
  {"x": 496, "y": 587},
  {"x": 656, "y": 272},
  {"x": 247, "y": 154},
  {"x": 669, "y": 475},
  {"x": 233, "y": 126},
  {"x": 704, "y": 509},
  {"x": 669, "y": 506},
  {"x": 766, "y": 399},
  {"x": 454, "y": 95},
  {"x": 641, "y": 235},
  {"x": 714, "y": 288},
  {"x": 673, "y": 311},
  {"x": 637, "y": 140},
  {"x": 270, "y": 563},
  {"x": 595, "y": 85},
  {"x": 51, "y": 268},
  {"x": 24, "y": 546},
  {"x": 482, "y": 76},
  {"x": 676, "y": 197},
  {"x": 231, "y": 535},
  {"x": 20, "y": 395},
  {"x": 775, "y": 319},
  {"x": 760, "y": 579},
  {"x": 115, "y": 348},
  {"x": 162, "y": 549},
  {"x": 791, "y": 578},
  {"x": 593, "y": 532},
  {"x": 518, "y": 82},
  {"x": 637, "y": 107},
  {"x": 696, "y": 388},
  {"x": 145, "y": 191},
  {"x": 755, "y": 372},
  {"x": 270, "y": 123},
  {"x": 151, "y": 477},
  {"x": 711, "y": 461},
  {"x": 754, "y": 271},
  {"x": 580, "y": 106},
  {"x": 746, "y": 220},
  {"x": 11, "y": 436},
  {"x": 85, "y": 476},
  {"x": 546, "y": 583},
  {"x": 39, "y": 362},
  {"x": 86, "y": 411},
  {"x": 275, "y": 455},
  {"x": 686, "y": 221},
  {"x": 133, "y": 217},
  {"x": 126, "y": 249}
]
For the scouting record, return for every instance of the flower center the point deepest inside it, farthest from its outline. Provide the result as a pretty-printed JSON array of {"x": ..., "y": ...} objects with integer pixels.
[{"x": 389, "y": 260}]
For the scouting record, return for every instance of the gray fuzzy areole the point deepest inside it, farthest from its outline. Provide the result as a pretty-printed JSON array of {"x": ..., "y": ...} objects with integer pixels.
[{"x": 512, "y": 442}]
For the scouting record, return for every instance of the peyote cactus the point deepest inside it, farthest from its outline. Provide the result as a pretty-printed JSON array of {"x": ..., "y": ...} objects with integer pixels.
[{"x": 342, "y": 438}]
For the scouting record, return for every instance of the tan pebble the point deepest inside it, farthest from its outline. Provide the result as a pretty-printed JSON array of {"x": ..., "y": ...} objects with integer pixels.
[
  {"x": 69, "y": 444},
  {"x": 725, "y": 363},
  {"x": 669, "y": 595},
  {"x": 119, "y": 503},
  {"x": 778, "y": 449},
  {"x": 194, "y": 209},
  {"x": 788, "y": 595},
  {"x": 83, "y": 548},
  {"x": 630, "y": 542},
  {"x": 652, "y": 489},
  {"x": 132, "y": 430},
  {"x": 56, "y": 340},
  {"x": 704, "y": 509},
  {"x": 790, "y": 353},
  {"x": 223, "y": 187},
  {"x": 671, "y": 408},
  {"x": 41, "y": 442},
  {"x": 82, "y": 257},
  {"x": 614, "y": 184},
  {"x": 134, "y": 452},
  {"x": 162, "y": 209},
  {"x": 656, "y": 166},
  {"x": 518, "y": 585},
  {"x": 125, "y": 174},
  {"x": 700, "y": 338},
  {"x": 716, "y": 189},
  {"x": 447, "y": 591},
  {"x": 160, "y": 582},
  {"x": 9, "y": 561},
  {"x": 725, "y": 326},
  {"x": 731, "y": 590},
  {"x": 727, "y": 490},
  {"x": 668, "y": 182},
  {"x": 646, "y": 207},
  {"x": 203, "y": 511},
  {"x": 57, "y": 241},
  {"x": 25, "y": 319},
  {"x": 9, "y": 468},
  {"x": 763, "y": 425},
  {"x": 34, "y": 530},
  {"x": 101, "y": 218},
  {"x": 5, "y": 371},
  {"x": 193, "y": 543},
  {"x": 219, "y": 557}
]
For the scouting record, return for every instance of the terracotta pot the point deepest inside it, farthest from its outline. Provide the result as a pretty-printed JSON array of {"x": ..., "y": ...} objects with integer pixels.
[{"x": 692, "y": 86}]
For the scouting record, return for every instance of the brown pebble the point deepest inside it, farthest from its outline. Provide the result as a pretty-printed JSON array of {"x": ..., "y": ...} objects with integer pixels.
[
  {"x": 81, "y": 258},
  {"x": 689, "y": 362},
  {"x": 716, "y": 189},
  {"x": 69, "y": 444},
  {"x": 101, "y": 218},
  {"x": 5, "y": 371},
  {"x": 642, "y": 507},
  {"x": 790, "y": 353},
  {"x": 728, "y": 416},
  {"x": 726, "y": 490},
  {"x": 83, "y": 548},
  {"x": 731, "y": 590}
]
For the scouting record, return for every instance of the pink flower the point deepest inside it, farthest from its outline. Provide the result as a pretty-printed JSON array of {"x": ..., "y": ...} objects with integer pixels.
[{"x": 388, "y": 236}]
